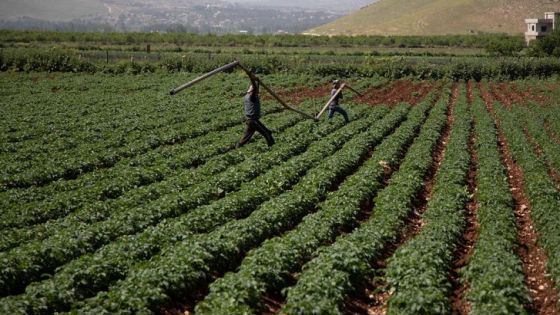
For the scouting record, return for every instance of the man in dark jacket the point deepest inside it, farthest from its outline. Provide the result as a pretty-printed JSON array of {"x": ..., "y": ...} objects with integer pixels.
[
  {"x": 252, "y": 109},
  {"x": 334, "y": 106}
]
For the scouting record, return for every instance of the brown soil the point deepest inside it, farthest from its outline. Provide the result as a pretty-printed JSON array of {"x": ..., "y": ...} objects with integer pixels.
[
  {"x": 462, "y": 256},
  {"x": 272, "y": 303},
  {"x": 508, "y": 91},
  {"x": 300, "y": 93},
  {"x": 402, "y": 91},
  {"x": 497, "y": 95},
  {"x": 372, "y": 300},
  {"x": 541, "y": 290},
  {"x": 532, "y": 95}
]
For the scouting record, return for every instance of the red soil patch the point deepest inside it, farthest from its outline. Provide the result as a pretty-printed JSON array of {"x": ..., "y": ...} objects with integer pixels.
[
  {"x": 533, "y": 258},
  {"x": 497, "y": 95},
  {"x": 509, "y": 92},
  {"x": 402, "y": 91},
  {"x": 374, "y": 298},
  {"x": 300, "y": 93},
  {"x": 532, "y": 95},
  {"x": 272, "y": 305}
]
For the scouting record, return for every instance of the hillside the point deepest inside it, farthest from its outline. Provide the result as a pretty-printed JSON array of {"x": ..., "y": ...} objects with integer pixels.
[
  {"x": 330, "y": 5},
  {"x": 433, "y": 17},
  {"x": 58, "y": 10},
  {"x": 197, "y": 16}
]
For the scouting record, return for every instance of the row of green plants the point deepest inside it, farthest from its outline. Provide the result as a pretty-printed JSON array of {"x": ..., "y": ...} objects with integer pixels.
[
  {"x": 534, "y": 121},
  {"x": 188, "y": 265},
  {"x": 28, "y": 262},
  {"x": 111, "y": 182},
  {"x": 59, "y": 128},
  {"x": 544, "y": 104},
  {"x": 127, "y": 190},
  {"x": 494, "y": 274},
  {"x": 231, "y": 40},
  {"x": 44, "y": 168},
  {"x": 341, "y": 268},
  {"x": 43, "y": 106},
  {"x": 81, "y": 278},
  {"x": 269, "y": 267},
  {"x": 539, "y": 188},
  {"x": 343, "y": 66},
  {"x": 418, "y": 273},
  {"x": 178, "y": 153},
  {"x": 120, "y": 122}
]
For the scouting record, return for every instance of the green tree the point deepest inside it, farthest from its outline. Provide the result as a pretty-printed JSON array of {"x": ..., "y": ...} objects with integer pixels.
[{"x": 547, "y": 46}]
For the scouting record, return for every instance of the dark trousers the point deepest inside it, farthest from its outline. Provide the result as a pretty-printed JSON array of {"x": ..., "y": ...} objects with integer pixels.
[
  {"x": 338, "y": 109},
  {"x": 252, "y": 125}
]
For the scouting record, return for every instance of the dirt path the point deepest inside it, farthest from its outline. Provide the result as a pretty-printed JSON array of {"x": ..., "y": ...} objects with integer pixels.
[
  {"x": 464, "y": 251},
  {"x": 373, "y": 299},
  {"x": 533, "y": 258}
]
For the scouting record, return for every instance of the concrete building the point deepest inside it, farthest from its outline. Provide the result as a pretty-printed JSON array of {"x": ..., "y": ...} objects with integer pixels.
[{"x": 537, "y": 28}]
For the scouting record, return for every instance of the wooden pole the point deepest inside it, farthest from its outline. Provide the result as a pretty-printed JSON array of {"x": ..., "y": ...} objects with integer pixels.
[
  {"x": 271, "y": 92},
  {"x": 330, "y": 101},
  {"x": 205, "y": 76},
  {"x": 351, "y": 89}
]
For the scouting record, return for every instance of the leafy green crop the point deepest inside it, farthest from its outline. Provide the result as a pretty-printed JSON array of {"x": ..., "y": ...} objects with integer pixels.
[
  {"x": 494, "y": 274},
  {"x": 268, "y": 267},
  {"x": 540, "y": 189},
  {"x": 418, "y": 272},
  {"x": 339, "y": 269}
]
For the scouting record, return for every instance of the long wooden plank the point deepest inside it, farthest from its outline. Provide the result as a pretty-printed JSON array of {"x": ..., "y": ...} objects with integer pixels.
[
  {"x": 330, "y": 101},
  {"x": 203, "y": 77}
]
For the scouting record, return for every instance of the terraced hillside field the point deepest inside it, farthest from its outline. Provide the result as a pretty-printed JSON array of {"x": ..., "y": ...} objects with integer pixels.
[{"x": 437, "y": 197}]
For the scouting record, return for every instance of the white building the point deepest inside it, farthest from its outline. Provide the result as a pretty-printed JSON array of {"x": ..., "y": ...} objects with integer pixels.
[{"x": 537, "y": 28}]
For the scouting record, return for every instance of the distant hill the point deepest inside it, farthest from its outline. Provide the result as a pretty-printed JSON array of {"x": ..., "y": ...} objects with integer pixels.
[
  {"x": 332, "y": 5},
  {"x": 439, "y": 17},
  {"x": 197, "y": 16},
  {"x": 51, "y": 10}
]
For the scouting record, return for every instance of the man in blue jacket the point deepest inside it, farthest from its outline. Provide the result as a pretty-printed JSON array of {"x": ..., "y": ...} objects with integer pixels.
[
  {"x": 334, "y": 106},
  {"x": 252, "y": 109}
]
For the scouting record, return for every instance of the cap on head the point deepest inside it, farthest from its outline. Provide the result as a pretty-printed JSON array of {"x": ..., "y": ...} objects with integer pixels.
[{"x": 336, "y": 83}]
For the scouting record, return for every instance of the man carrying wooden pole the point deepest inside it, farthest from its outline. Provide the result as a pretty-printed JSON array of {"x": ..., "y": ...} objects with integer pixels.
[
  {"x": 251, "y": 103},
  {"x": 334, "y": 105},
  {"x": 252, "y": 109},
  {"x": 334, "y": 102}
]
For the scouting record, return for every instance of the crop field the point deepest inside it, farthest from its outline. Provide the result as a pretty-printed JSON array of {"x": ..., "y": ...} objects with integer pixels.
[{"x": 437, "y": 197}]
